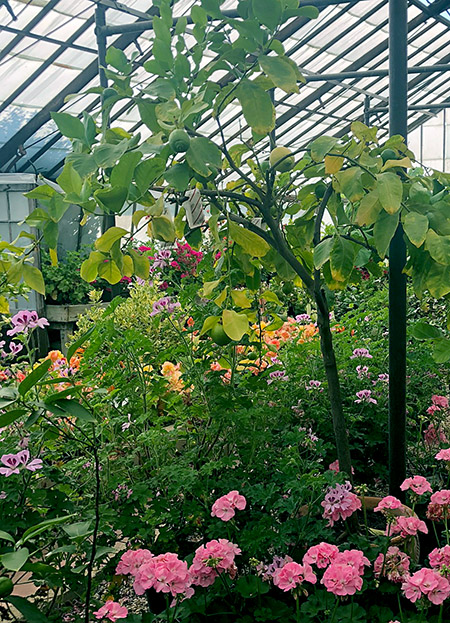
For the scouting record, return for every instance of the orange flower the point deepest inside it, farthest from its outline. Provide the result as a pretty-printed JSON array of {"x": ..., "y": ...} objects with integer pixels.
[{"x": 190, "y": 322}]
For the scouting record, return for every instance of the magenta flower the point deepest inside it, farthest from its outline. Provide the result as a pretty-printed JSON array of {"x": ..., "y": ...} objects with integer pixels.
[
  {"x": 25, "y": 320},
  {"x": 112, "y": 611},
  {"x": 418, "y": 484},
  {"x": 365, "y": 395},
  {"x": 292, "y": 575},
  {"x": 361, "y": 353},
  {"x": 277, "y": 375},
  {"x": 303, "y": 318},
  {"x": 314, "y": 385},
  {"x": 362, "y": 371},
  {"x": 225, "y": 506}
]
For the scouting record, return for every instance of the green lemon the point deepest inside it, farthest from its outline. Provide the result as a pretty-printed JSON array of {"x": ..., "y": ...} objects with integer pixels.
[
  {"x": 388, "y": 154},
  {"x": 179, "y": 141},
  {"x": 277, "y": 154},
  {"x": 320, "y": 189},
  {"x": 6, "y": 586},
  {"x": 219, "y": 336},
  {"x": 253, "y": 355},
  {"x": 109, "y": 92}
]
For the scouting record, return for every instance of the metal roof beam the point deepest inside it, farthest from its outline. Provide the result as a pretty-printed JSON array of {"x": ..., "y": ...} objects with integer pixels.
[{"x": 32, "y": 35}]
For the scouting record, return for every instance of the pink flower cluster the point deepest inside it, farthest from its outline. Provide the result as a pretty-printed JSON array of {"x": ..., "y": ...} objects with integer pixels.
[
  {"x": 212, "y": 559},
  {"x": 186, "y": 259},
  {"x": 342, "y": 579},
  {"x": 132, "y": 560},
  {"x": 14, "y": 462},
  {"x": 388, "y": 503},
  {"x": 361, "y": 352},
  {"x": 365, "y": 395},
  {"x": 112, "y": 611},
  {"x": 340, "y": 503},
  {"x": 426, "y": 583},
  {"x": 438, "y": 403},
  {"x": 440, "y": 557},
  {"x": 293, "y": 575},
  {"x": 407, "y": 526},
  {"x": 395, "y": 567},
  {"x": 321, "y": 555},
  {"x": 224, "y": 507},
  {"x": 443, "y": 455},
  {"x": 441, "y": 498},
  {"x": 344, "y": 570},
  {"x": 417, "y": 484},
  {"x": 165, "y": 573}
]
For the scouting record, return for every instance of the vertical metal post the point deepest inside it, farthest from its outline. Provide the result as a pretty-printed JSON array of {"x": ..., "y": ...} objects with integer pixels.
[
  {"x": 398, "y": 124},
  {"x": 367, "y": 110}
]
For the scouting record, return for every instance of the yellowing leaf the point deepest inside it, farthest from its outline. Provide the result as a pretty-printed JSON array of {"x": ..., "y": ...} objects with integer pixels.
[
  {"x": 235, "y": 325},
  {"x": 221, "y": 298},
  {"x": 404, "y": 162},
  {"x": 251, "y": 243},
  {"x": 390, "y": 192},
  {"x": 106, "y": 241},
  {"x": 240, "y": 299},
  {"x": 333, "y": 164},
  {"x": 33, "y": 278}
]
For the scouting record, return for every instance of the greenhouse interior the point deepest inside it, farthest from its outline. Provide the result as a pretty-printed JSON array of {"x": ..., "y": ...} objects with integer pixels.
[{"x": 225, "y": 311}]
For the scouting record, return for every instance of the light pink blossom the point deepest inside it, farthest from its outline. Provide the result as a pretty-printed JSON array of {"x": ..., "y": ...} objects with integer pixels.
[
  {"x": 165, "y": 573},
  {"x": 396, "y": 566},
  {"x": 388, "y": 503},
  {"x": 293, "y": 575},
  {"x": 441, "y": 497},
  {"x": 342, "y": 579},
  {"x": 211, "y": 559},
  {"x": 440, "y": 557},
  {"x": 340, "y": 503},
  {"x": 429, "y": 583},
  {"x": 361, "y": 352},
  {"x": 365, "y": 395},
  {"x": 112, "y": 611},
  {"x": 225, "y": 506},
  {"x": 407, "y": 526},
  {"x": 418, "y": 484},
  {"x": 321, "y": 555},
  {"x": 132, "y": 560},
  {"x": 353, "y": 557},
  {"x": 443, "y": 455}
]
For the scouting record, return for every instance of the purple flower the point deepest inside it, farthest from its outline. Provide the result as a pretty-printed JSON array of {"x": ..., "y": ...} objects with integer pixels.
[
  {"x": 15, "y": 348},
  {"x": 362, "y": 371},
  {"x": 384, "y": 378},
  {"x": 12, "y": 463},
  {"x": 126, "y": 425},
  {"x": 303, "y": 318},
  {"x": 161, "y": 259},
  {"x": 314, "y": 385},
  {"x": 361, "y": 352},
  {"x": 365, "y": 395},
  {"x": 25, "y": 320},
  {"x": 3, "y": 495},
  {"x": 164, "y": 305},
  {"x": 277, "y": 375}
]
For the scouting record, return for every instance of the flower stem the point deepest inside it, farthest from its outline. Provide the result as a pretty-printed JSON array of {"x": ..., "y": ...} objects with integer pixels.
[{"x": 333, "y": 616}]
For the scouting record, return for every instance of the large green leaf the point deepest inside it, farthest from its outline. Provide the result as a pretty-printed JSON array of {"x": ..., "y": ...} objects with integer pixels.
[
  {"x": 235, "y": 325},
  {"x": 163, "y": 228},
  {"x": 69, "y": 125},
  {"x": 122, "y": 173},
  {"x": 320, "y": 147},
  {"x": 111, "y": 199},
  {"x": 252, "y": 244},
  {"x": 110, "y": 271},
  {"x": 416, "y": 227},
  {"x": 322, "y": 252},
  {"x": 257, "y": 107},
  {"x": 33, "y": 278},
  {"x": 111, "y": 235},
  {"x": 368, "y": 210},
  {"x": 384, "y": 230},
  {"x": 390, "y": 192},
  {"x": 424, "y": 331},
  {"x": 438, "y": 247},
  {"x": 107, "y": 154},
  {"x": 342, "y": 258},
  {"x": 203, "y": 153},
  {"x": 11, "y": 416},
  {"x": 31, "y": 613},
  {"x": 178, "y": 176},
  {"x": 441, "y": 350},
  {"x": 31, "y": 379},
  {"x": 147, "y": 172},
  {"x": 70, "y": 180},
  {"x": 438, "y": 280},
  {"x": 268, "y": 12},
  {"x": 350, "y": 183},
  {"x": 74, "y": 408},
  {"x": 33, "y": 531},
  {"x": 117, "y": 59},
  {"x": 280, "y": 70},
  {"x": 14, "y": 561}
]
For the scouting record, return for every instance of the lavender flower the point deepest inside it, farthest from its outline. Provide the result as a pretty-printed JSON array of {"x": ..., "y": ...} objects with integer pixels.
[
  {"x": 361, "y": 352},
  {"x": 164, "y": 305},
  {"x": 277, "y": 375},
  {"x": 365, "y": 395},
  {"x": 25, "y": 320}
]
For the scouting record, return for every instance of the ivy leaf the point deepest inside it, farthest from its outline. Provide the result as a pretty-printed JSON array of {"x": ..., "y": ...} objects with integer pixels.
[
  {"x": 257, "y": 107},
  {"x": 235, "y": 325},
  {"x": 252, "y": 244},
  {"x": 416, "y": 227},
  {"x": 384, "y": 230},
  {"x": 281, "y": 72},
  {"x": 390, "y": 192}
]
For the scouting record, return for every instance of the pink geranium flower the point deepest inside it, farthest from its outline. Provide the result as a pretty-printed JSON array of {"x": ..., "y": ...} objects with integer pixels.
[
  {"x": 418, "y": 484},
  {"x": 441, "y": 497},
  {"x": 429, "y": 583},
  {"x": 443, "y": 455},
  {"x": 353, "y": 557},
  {"x": 212, "y": 559},
  {"x": 293, "y": 575},
  {"x": 440, "y": 401},
  {"x": 225, "y": 506},
  {"x": 342, "y": 579},
  {"x": 165, "y": 573},
  {"x": 12, "y": 463},
  {"x": 131, "y": 561},
  {"x": 396, "y": 566},
  {"x": 408, "y": 526},
  {"x": 112, "y": 611},
  {"x": 440, "y": 557},
  {"x": 321, "y": 555},
  {"x": 388, "y": 503}
]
